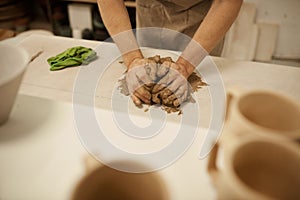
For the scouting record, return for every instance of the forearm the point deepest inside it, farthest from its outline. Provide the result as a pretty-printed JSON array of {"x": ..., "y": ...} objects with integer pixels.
[
  {"x": 213, "y": 28},
  {"x": 217, "y": 22},
  {"x": 115, "y": 17}
]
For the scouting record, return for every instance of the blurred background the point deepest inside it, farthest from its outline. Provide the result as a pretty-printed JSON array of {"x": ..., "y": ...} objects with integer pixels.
[{"x": 265, "y": 30}]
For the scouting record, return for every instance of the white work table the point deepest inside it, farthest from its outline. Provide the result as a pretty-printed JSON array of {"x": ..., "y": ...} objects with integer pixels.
[
  {"x": 39, "y": 81},
  {"x": 41, "y": 154}
]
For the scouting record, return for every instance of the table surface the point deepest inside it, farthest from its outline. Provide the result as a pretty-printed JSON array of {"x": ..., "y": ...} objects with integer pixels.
[
  {"x": 39, "y": 81},
  {"x": 41, "y": 155}
]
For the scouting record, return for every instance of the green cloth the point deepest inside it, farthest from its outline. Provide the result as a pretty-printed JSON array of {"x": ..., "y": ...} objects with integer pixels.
[{"x": 74, "y": 56}]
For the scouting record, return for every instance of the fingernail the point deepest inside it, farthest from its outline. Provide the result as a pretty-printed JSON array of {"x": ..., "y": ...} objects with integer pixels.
[
  {"x": 176, "y": 103},
  {"x": 138, "y": 103}
]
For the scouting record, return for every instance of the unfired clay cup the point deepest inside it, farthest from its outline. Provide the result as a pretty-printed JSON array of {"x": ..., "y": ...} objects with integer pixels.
[
  {"x": 260, "y": 156},
  {"x": 104, "y": 182},
  {"x": 13, "y": 62},
  {"x": 262, "y": 113},
  {"x": 256, "y": 168}
]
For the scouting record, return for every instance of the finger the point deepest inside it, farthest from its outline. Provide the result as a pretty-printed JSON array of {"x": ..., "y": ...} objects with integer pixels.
[
  {"x": 172, "y": 97},
  {"x": 181, "y": 90},
  {"x": 142, "y": 75},
  {"x": 157, "y": 88},
  {"x": 143, "y": 95},
  {"x": 151, "y": 69},
  {"x": 149, "y": 86},
  {"x": 176, "y": 102},
  {"x": 139, "y": 70},
  {"x": 162, "y": 83},
  {"x": 167, "y": 102},
  {"x": 175, "y": 84},
  {"x": 184, "y": 97},
  {"x": 136, "y": 101},
  {"x": 163, "y": 69},
  {"x": 132, "y": 83},
  {"x": 166, "y": 93},
  {"x": 180, "y": 99},
  {"x": 156, "y": 98},
  {"x": 168, "y": 97}
]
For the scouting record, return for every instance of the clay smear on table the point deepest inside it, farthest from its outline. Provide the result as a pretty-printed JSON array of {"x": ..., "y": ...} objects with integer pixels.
[{"x": 194, "y": 80}]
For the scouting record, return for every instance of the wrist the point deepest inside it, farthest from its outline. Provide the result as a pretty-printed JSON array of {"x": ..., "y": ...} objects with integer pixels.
[
  {"x": 129, "y": 57},
  {"x": 189, "y": 68}
]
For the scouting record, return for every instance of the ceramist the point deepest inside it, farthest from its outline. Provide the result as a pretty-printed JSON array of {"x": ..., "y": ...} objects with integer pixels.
[{"x": 205, "y": 21}]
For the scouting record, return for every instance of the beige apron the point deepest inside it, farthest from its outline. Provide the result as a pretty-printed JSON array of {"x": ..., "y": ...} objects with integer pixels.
[{"x": 182, "y": 16}]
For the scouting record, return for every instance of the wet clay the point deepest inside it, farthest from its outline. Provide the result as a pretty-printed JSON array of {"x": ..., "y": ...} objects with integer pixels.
[{"x": 194, "y": 80}]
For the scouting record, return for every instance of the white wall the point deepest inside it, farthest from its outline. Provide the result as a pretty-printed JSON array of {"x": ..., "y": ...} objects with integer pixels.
[{"x": 287, "y": 14}]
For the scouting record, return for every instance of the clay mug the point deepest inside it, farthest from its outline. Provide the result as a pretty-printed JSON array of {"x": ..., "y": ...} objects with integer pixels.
[
  {"x": 256, "y": 168},
  {"x": 13, "y": 62},
  {"x": 104, "y": 182},
  {"x": 262, "y": 113}
]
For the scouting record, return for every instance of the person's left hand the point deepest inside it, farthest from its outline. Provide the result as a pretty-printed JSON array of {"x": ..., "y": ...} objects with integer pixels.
[
  {"x": 174, "y": 86},
  {"x": 141, "y": 73}
]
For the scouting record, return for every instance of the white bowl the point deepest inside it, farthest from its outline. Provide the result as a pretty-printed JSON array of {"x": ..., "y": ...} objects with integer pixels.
[{"x": 13, "y": 62}]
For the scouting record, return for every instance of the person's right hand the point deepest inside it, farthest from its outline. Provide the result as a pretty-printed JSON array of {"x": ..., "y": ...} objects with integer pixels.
[
  {"x": 141, "y": 72},
  {"x": 173, "y": 87}
]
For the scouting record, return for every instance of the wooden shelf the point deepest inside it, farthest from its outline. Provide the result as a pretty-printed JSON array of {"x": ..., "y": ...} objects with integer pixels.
[{"x": 131, "y": 4}]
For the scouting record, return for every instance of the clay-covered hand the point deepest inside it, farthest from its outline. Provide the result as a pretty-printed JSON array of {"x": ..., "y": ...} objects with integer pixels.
[
  {"x": 141, "y": 74},
  {"x": 173, "y": 87}
]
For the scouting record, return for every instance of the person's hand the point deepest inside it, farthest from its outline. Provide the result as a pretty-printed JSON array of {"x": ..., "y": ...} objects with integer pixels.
[
  {"x": 140, "y": 77},
  {"x": 173, "y": 86}
]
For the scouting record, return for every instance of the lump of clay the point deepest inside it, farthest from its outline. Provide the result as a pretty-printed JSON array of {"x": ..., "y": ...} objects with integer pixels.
[{"x": 161, "y": 97}]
